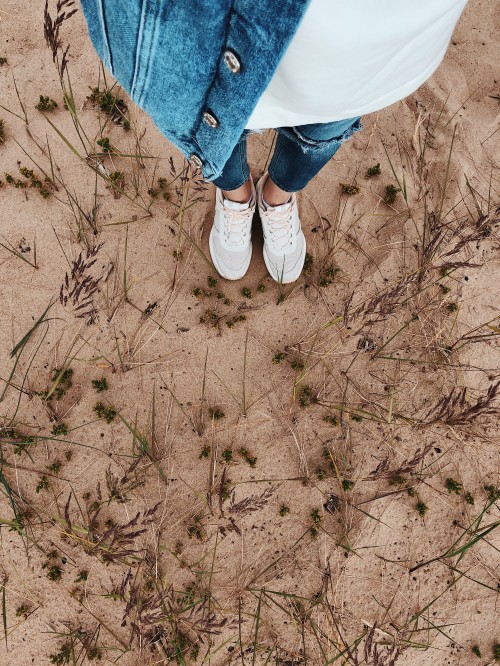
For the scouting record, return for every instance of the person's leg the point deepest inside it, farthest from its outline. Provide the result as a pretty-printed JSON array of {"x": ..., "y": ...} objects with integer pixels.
[
  {"x": 300, "y": 153},
  {"x": 230, "y": 240},
  {"x": 234, "y": 180}
]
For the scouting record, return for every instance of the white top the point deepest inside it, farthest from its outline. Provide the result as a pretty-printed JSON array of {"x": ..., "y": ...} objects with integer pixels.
[{"x": 351, "y": 57}]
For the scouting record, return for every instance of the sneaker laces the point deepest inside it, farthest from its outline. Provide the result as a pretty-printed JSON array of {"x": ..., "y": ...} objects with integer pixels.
[
  {"x": 236, "y": 225},
  {"x": 279, "y": 223}
]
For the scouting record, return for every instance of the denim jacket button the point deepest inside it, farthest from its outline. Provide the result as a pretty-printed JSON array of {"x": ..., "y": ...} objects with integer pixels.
[
  {"x": 210, "y": 119},
  {"x": 195, "y": 161},
  {"x": 232, "y": 62}
]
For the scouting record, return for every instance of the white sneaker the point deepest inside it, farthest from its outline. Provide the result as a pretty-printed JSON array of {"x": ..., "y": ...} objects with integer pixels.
[
  {"x": 230, "y": 237},
  {"x": 284, "y": 240}
]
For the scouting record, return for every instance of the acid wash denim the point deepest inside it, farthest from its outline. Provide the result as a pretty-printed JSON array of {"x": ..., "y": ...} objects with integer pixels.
[
  {"x": 299, "y": 154},
  {"x": 197, "y": 67}
]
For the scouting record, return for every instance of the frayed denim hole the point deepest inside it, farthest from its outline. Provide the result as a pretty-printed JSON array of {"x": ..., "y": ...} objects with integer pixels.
[
  {"x": 306, "y": 145},
  {"x": 317, "y": 145},
  {"x": 243, "y": 136},
  {"x": 255, "y": 131},
  {"x": 347, "y": 131},
  {"x": 355, "y": 127}
]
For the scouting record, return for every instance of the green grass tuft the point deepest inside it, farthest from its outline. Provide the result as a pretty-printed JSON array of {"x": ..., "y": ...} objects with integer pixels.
[
  {"x": 373, "y": 171},
  {"x": 106, "y": 413},
  {"x": 391, "y": 193},
  {"x": 46, "y": 104},
  {"x": 227, "y": 456},
  {"x": 453, "y": 486},
  {"x": 59, "y": 429},
  {"x": 350, "y": 190},
  {"x": 247, "y": 457},
  {"x": 422, "y": 508},
  {"x": 100, "y": 385}
]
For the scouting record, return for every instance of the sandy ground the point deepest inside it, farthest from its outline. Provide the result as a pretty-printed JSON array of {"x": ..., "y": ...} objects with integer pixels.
[{"x": 283, "y": 472}]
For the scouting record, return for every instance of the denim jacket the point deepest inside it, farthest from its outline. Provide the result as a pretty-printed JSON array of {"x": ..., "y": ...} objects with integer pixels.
[{"x": 197, "y": 67}]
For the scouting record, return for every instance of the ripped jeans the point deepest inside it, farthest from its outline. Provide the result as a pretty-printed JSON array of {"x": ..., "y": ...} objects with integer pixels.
[{"x": 300, "y": 153}]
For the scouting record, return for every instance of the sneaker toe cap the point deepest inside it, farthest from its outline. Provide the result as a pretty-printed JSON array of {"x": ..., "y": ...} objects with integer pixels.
[
  {"x": 228, "y": 261},
  {"x": 283, "y": 267}
]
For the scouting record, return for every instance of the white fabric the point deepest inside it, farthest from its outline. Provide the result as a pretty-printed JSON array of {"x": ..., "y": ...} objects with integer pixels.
[{"x": 352, "y": 57}]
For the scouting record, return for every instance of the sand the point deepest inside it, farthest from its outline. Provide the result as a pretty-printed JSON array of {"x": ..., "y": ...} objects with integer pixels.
[{"x": 288, "y": 480}]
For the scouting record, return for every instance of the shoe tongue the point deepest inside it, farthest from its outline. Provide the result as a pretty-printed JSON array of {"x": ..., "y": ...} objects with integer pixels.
[
  {"x": 279, "y": 208},
  {"x": 234, "y": 205}
]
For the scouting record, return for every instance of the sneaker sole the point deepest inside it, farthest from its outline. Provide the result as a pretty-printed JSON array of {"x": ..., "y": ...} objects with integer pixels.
[{"x": 231, "y": 275}]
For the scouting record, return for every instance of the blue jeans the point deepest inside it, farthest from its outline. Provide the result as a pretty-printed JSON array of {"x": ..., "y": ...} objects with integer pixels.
[{"x": 300, "y": 153}]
